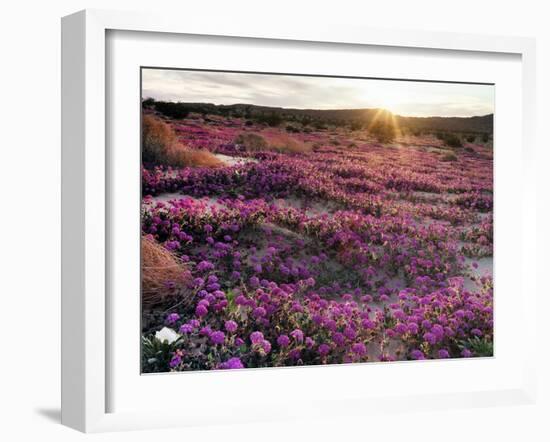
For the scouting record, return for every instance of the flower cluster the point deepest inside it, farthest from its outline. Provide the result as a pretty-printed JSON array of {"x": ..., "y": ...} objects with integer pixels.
[{"x": 343, "y": 254}]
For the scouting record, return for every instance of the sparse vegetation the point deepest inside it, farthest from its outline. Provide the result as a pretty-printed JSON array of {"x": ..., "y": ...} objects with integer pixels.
[
  {"x": 156, "y": 141},
  {"x": 162, "y": 273},
  {"x": 286, "y": 144},
  {"x": 282, "y": 143},
  {"x": 183, "y": 157},
  {"x": 251, "y": 141},
  {"x": 316, "y": 244},
  {"x": 171, "y": 110},
  {"x": 449, "y": 139},
  {"x": 160, "y": 146},
  {"x": 384, "y": 132},
  {"x": 449, "y": 157}
]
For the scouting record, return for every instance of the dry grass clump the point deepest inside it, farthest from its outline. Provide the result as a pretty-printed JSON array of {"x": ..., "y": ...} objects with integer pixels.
[
  {"x": 449, "y": 157},
  {"x": 182, "y": 157},
  {"x": 282, "y": 143},
  {"x": 160, "y": 146},
  {"x": 157, "y": 138},
  {"x": 162, "y": 276},
  {"x": 286, "y": 144},
  {"x": 251, "y": 141}
]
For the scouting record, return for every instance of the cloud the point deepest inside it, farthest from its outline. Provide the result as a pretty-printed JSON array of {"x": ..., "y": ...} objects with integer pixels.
[{"x": 401, "y": 97}]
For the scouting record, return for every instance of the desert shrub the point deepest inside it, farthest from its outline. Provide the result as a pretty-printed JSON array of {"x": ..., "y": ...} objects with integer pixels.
[
  {"x": 172, "y": 110},
  {"x": 453, "y": 140},
  {"x": 249, "y": 123},
  {"x": 449, "y": 139},
  {"x": 182, "y": 157},
  {"x": 449, "y": 156},
  {"x": 292, "y": 129},
  {"x": 157, "y": 139},
  {"x": 285, "y": 144},
  {"x": 251, "y": 141},
  {"x": 470, "y": 138},
  {"x": 148, "y": 102},
  {"x": 163, "y": 276},
  {"x": 160, "y": 146},
  {"x": 383, "y": 132},
  {"x": 485, "y": 138},
  {"x": 282, "y": 143},
  {"x": 273, "y": 119}
]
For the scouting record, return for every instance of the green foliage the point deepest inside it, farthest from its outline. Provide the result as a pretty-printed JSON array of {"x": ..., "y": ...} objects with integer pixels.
[
  {"x": 319, "y": 125},
  {"x": 271, "y": 119},
  {"x": 478, "y": 346},
  {"x": 452, "y": 140},
  {"x": 148, "y": 102},
  {"x": 155, "y": 355},
  {"x": 449, "y": 139},
  {"x": 292, "y": 129},
  {"x": 172, "y": 110}
]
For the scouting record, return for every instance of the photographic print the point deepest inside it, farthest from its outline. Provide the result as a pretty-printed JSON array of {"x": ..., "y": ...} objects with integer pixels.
[{"x": 293, "y": 220}]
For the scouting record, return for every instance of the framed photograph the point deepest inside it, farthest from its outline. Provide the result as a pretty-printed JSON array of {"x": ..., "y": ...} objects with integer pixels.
[{"x": 252, "y": 214}]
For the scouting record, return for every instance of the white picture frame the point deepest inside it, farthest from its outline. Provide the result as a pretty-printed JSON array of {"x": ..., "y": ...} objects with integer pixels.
[{"x": 85, "y": 198}]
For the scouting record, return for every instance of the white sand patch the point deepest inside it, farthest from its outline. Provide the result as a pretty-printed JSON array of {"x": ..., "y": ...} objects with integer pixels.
[
  {"x": 310, "y": 207},
  {"x": 234, "y": 161},
  {"x": 484, "y": 268},
  {"x": 166, "y": 198}
]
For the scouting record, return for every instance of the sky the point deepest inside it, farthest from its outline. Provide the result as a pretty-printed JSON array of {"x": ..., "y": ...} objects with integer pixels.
[{"x": 407, "y": 98}]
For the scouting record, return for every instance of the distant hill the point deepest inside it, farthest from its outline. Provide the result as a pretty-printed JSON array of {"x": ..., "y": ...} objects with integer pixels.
[
  {"x": 483, "y": 124},
  {"x": 321, "y": 117}
]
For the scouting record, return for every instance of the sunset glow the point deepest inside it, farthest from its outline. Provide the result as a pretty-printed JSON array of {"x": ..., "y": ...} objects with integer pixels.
[{"x": 407, "y": 98}]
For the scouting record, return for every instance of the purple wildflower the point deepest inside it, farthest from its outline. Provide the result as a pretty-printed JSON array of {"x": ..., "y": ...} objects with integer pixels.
[
  {"x": 172, "y": 318},
  {"x": 256, "y": 337},
  {"x": 217, "y": 337},
  {"x": 186, "y": 329},
  {"x": 231, "y": 326},
  {"x": 201, "y": 310},
  {"x": 324, "y": 349},
  {"x": 417, "y": 354},
  {"x": 359, "y": 349},
  {"x": 231, "y": 364},
  {"x": 430, "y": 338},
  {"x": 298, "y": 335},
  {"x": 443, "y": 354},
  {"x": 283, "y": 341}
]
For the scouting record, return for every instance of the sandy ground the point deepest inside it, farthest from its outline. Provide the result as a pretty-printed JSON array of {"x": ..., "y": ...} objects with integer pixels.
[
  {"x": 485, "y": 267},
  {"x": 233, "y": 161},
  {"x": 475, "y": 268}
]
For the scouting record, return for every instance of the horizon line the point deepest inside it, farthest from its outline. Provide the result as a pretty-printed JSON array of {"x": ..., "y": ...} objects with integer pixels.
[{"x": 318, "y": 109}]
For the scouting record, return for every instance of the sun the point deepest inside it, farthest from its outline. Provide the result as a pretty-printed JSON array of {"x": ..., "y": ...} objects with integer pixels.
[{"x": 387, "y": 118}]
